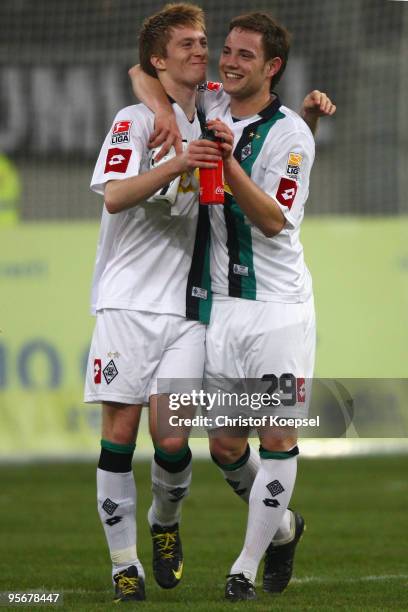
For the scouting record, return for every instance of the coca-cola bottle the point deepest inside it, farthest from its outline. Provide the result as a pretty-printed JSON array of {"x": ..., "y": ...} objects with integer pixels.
[{"x": 211, "y": 179}]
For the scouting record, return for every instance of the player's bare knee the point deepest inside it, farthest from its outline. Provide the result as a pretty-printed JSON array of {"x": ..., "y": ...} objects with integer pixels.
[
  {"x": 278, "y": 443},
  {"x": 171, "y": 445},
  {"x": 227, "y": 451}
]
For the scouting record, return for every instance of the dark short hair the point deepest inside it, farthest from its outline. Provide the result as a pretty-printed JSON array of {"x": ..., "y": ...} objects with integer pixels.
[
  {"x": 275, "y": 38},
  {"x": 156, "y": 31}
]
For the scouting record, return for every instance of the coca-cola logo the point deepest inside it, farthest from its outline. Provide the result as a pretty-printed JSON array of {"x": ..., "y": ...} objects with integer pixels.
[{"x": 219, "y": 190}]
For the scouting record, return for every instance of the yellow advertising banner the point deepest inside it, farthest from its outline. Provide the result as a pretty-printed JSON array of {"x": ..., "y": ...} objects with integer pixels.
[{"x": 360, "y": 273}]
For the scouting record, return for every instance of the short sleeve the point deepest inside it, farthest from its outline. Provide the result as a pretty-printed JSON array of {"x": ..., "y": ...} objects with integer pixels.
[
  {"x": 288, "y": 174},
  {"x": 122, "y": 150}
]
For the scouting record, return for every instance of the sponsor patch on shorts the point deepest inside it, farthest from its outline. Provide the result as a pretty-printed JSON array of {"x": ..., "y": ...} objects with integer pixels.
[{"x": 97, "y": 371}]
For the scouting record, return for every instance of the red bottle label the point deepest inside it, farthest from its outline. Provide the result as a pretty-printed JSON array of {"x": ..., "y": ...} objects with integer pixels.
[{"x": 212, "y": 185}]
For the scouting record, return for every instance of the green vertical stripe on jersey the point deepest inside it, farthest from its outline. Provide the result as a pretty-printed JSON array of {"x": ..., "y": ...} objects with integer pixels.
[
  {"x": 198, "y": 307},
  {"x": 240, "y": 251},
  {"x": 239, "y": 236},
  {"x": 199, "y": 280},
  {"x": 204, "y": 312},
  {"x": 261, "y": 131}
]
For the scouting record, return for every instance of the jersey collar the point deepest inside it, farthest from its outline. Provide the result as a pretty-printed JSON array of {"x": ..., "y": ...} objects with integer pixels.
[
  {"x": 271, "y": 109},
  {"x": 172, "y": 101},
  {"x": 266, "y": 113}
]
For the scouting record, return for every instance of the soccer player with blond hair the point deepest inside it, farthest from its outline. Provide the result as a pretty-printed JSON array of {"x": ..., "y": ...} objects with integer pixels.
[{"x": 151, "y": 295}]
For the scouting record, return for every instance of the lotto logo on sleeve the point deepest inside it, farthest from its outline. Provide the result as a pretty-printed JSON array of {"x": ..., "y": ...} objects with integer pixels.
[
  {"x": 97, "y": 371},
  {"x": 286, "y": 192},
  {"x": 120, "y": 132},
  {"x": 117, "y": 160}
]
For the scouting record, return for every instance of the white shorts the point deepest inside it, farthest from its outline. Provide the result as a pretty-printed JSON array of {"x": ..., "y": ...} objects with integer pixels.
[
  {"x": 131, "y": 350},
  {"x": 249, "y": 339}
]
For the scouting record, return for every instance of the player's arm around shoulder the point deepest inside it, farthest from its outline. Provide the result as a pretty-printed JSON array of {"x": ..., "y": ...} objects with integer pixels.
[
  {"x": 261, "y": 209},
  {"x": 151, "y": 93}
]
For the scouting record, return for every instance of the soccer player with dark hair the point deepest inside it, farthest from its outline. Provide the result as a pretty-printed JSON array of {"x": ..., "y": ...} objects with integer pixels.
[
  {"x": 263, "y": 301},
  {"x": 262, "y": 323}
]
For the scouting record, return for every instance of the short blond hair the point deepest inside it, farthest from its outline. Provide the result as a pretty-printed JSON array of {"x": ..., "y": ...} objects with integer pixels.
[{"x": 156, "y": 31}]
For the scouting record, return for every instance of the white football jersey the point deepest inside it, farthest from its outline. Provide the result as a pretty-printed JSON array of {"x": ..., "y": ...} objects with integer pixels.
[
  {"x": 152, "y": 257},
  {"x": 276, "y": 150}
]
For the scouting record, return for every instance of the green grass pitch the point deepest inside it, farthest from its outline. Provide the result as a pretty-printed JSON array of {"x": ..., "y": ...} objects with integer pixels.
[{"x": 353, "y": 555}]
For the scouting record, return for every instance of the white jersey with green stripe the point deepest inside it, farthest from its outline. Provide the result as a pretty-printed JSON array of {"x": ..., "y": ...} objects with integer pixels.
[
  {"x": 276, "y": 150},
  {"x": 152, "y": 257}
]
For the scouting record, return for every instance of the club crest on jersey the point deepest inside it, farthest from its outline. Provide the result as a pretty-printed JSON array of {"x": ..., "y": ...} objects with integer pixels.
[
  {"x": 286, "y": 192},
  {"x": 121, "y": 132},
  {"x": 246, "y": 151},
  {"x": 198, "y": 292},
  {"x": 293, "y": 165},
  {"x": 117, "y": 160}
]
